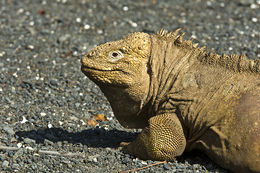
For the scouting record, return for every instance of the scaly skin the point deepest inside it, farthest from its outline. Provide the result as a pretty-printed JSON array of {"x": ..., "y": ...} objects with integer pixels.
[{"x": 183, "y": 97}]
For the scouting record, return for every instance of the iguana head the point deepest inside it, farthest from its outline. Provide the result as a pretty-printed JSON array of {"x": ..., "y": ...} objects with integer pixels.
[
  {"x": 118, "y": 63},
  {"x": 120, "y": 69}
]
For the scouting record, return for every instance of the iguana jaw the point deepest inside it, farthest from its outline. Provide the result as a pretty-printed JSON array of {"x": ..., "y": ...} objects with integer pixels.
[
  {"x": 110, "y": 74},
  {"x": 92, "y": 65},
  {"x": 92, "y": 69}
]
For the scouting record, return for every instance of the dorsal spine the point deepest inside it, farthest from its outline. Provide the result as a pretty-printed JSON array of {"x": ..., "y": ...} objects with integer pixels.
[{"x": 237, "y": 63}]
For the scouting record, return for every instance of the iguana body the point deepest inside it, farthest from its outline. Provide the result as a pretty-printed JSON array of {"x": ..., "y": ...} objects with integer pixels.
[{"x": 183, "y": 97}]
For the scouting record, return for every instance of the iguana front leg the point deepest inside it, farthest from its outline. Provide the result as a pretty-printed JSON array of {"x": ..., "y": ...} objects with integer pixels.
[{"x": 163, "y": 139}]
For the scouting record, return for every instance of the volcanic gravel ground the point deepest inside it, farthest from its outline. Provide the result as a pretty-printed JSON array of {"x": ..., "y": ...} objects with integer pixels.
[{"x": 47, "y": 105}]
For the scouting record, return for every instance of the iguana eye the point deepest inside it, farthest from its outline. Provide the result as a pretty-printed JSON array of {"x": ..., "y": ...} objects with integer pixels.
[{"x": 116, "y": 55}]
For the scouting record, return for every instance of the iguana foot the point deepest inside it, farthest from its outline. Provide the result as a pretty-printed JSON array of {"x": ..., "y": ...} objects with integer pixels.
[{"x": 163, "y": 139}]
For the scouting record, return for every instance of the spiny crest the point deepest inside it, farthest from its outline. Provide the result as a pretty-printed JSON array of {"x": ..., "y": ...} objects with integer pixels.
[
  {"x": 176, "y": 38},
  {"x": 245, "y": 64},
  {"x": 238, "y": 63},
  {"x": 165, "y": 33}
]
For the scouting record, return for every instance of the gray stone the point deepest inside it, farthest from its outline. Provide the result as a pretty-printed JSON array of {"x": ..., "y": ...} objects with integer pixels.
[
  {"x": 246, "y": 2},
  {"x": 29, "y": 141},
  {"x": 166, "y": 166},
  {"x": 8, "y": 129},
  {"x": 15, "y": 166},
  {"x": 5, "y": 164}
]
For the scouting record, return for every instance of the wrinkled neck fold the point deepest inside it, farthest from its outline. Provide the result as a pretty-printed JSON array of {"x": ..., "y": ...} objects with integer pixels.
[{"x": 167, "y": 61}]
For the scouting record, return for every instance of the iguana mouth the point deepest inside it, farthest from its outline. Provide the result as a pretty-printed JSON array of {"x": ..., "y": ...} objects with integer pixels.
[
  {"x": 98, "y": 69},
  {"x": 88, "y": 64}
]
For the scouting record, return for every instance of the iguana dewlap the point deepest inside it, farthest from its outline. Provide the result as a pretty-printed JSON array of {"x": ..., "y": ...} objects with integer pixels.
[{"x": 183, "y": 97}]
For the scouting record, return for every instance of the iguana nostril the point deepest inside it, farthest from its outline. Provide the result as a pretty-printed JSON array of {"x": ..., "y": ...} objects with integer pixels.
[{"x": 91, "y": 54}]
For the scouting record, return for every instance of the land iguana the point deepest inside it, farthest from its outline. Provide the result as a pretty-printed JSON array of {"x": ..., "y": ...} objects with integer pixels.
[{"x": 182, "y": 96}]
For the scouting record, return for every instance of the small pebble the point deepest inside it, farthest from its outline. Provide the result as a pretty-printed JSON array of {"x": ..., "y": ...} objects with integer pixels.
[
  {"x": 29, "y": 141},
  {"x": 92, "y": 158},
  {"x": 2, "y": 54},
  {"x": 254, "y": 6},
  {"x": 43, "y": 114},
  {"x": 78, "y": 20},
  {"x": 86, "y": 26},
  {"x": 31, "y": 47},
  {"x": 19, "y": 145},
  {"x": 15, "y": 166},
  {"x": 254, "y": 19},
  {"x": 8, "y": 129},
  {"x": 50, "y": 125},
  {"x": 53, "y": 82},
  {"x": 24, "y": 120},
  {"x": 144, "y": 163},
  {"x": 133, "y": 24},
  {"x": 99, "y": 31},
  {"x": 166, "y": 166},
  {"x": 125, "y": 8},
  {"x": 5, "y": 164}
]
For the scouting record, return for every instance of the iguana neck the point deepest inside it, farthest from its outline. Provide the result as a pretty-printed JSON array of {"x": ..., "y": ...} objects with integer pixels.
[
  {"x": 127, "y": 103},
  {"x": 168, "y": 61}
]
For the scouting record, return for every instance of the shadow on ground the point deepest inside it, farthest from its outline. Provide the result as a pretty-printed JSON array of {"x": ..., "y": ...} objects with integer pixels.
[
  {"x": 99, "y": 137},
  {"x": 94, "y": 137}
]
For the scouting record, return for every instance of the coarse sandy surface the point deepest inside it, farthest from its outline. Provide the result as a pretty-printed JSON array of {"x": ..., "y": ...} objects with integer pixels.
[{"x": 46, "y": 103}]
